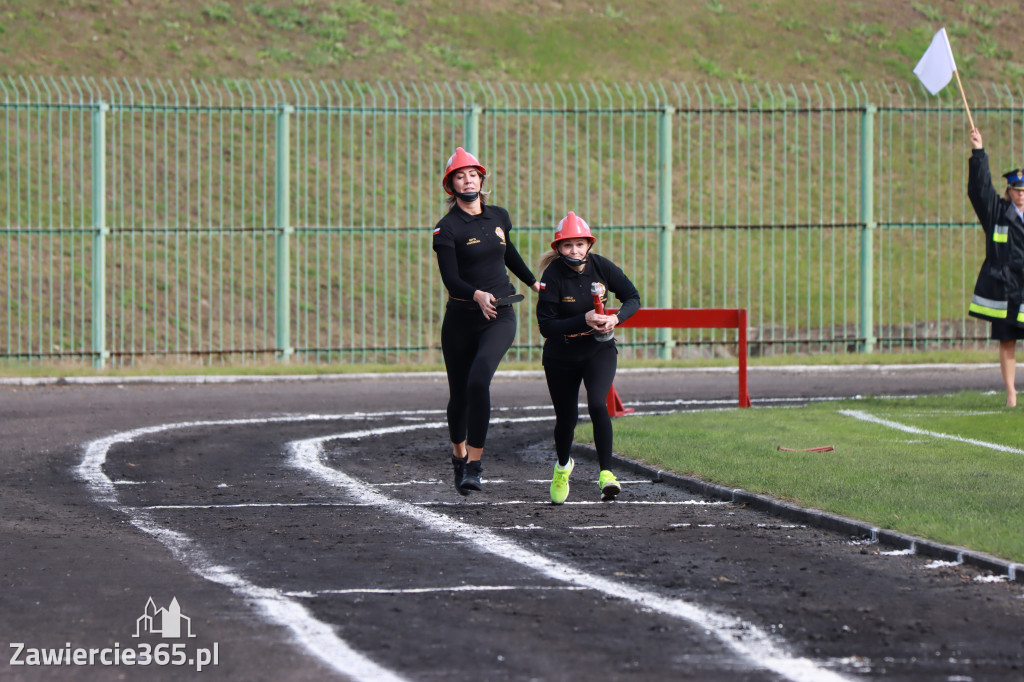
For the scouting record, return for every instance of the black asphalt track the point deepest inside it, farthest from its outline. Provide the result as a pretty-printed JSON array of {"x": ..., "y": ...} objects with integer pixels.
[{"x": 309, "y": 527}]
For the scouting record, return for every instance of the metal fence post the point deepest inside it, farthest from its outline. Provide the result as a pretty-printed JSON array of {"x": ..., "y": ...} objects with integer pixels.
[
  {"x": 99, "y": 235},
  {"x": 282, "y": 224},
  {"x": 473, "y": 129},
  {"x": 867, "y": 231},
  {"x": 667, "y": 224},
  {"x": 189, "y": 188}
]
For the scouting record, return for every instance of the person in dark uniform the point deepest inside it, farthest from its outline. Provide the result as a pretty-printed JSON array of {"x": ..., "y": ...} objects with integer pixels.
[
  {"x": 473, "y": 243},
  {"x": 999, "y": 289},
  {"x": 579, "y": 344}
]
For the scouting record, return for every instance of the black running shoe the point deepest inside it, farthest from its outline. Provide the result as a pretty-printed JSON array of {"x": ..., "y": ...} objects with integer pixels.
[
  {"x": 471, "y": 477},
  {"x": 459, "y": 465}
]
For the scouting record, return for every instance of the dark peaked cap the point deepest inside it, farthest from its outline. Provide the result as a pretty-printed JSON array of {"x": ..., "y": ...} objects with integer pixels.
[{"x": 1015, "y": 178}]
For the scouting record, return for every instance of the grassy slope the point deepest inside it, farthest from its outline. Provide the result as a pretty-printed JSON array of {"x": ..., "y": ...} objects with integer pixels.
[
  {"x": 614, "y": 41},
  {"x": 777, "y": 41}
]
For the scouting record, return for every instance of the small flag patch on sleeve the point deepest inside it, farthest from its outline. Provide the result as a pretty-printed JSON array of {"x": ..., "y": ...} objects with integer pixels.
[
  {"x": 543, "y": 286},
  {"x": 436, "y": 230}
]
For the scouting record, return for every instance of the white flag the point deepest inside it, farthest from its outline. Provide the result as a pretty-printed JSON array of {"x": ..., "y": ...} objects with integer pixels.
[{"x": 936, "y": 66}]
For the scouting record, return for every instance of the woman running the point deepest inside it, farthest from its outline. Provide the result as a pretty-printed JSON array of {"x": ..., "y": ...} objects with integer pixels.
[
  {"x": 579, "y": 345},
  {"x": 474, "y": 247}
]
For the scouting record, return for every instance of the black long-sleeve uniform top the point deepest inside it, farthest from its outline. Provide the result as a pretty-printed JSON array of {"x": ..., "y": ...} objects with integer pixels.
[
  {"x": 474, "y": 250},
  {"x": 999, "y": 288},
  {"x": 565, "y": 299}
]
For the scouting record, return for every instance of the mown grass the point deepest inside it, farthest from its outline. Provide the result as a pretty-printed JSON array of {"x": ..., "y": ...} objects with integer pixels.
[
  {"x": 434, "y": 40},
  {"x": 948, "y": 490}
]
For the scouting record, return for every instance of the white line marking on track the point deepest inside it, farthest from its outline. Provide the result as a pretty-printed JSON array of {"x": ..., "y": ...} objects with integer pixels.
[
  {"x": 745, "y": 639},
  {"x": 867, "y": 417},
  {"x": 400, "y": 484},
  {"x": 430, "y": 590},
  {"x": 605, "y": 527},
  {"x": 246, "y": 505},
  {"x": 315, "y": 636},
  {"x": 435, "y": 503},
  {"x": 494, "y": 481}
]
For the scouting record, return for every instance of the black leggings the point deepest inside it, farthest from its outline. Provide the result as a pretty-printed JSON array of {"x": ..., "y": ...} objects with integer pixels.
[
  {"x": 564, "y": 377},
  {"x": 473, "y": 346}
]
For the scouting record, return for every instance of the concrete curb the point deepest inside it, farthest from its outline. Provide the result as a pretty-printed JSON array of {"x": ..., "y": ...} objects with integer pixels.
[
  {"x": 502, "y": 374},
  {"x": 817, "y": 518}
]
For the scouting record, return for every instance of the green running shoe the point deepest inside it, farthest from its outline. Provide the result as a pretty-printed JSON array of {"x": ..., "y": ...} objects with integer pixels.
[
  {"x": 560, "y": 482},
  {"x": 608, "y": 484}
]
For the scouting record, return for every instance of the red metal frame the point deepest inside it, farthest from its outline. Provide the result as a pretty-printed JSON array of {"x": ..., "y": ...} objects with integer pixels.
[{"x": 690, "y": 318}]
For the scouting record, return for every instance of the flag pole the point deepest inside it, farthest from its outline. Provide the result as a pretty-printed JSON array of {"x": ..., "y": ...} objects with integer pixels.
[{"x": 964, "y": 98}]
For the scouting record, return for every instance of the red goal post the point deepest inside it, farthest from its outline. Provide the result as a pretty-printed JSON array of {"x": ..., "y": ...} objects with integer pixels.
[{"x": 690, "y": 318}]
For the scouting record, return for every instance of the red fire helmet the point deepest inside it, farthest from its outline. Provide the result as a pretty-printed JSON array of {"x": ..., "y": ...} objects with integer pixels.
[
  {"x": 572, "y": 227},
  {"x": 460, "y": 159}
]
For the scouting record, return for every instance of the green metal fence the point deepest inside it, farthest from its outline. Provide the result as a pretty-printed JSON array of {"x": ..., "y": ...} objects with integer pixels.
[{"x": 243, "y": 221}]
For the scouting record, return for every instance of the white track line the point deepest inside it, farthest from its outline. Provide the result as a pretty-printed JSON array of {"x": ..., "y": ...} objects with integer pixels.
[
  {"x": 604, "y": 527},
  {"x": 431, "y": 590},
  {"x": 867, "y": 417},
  {"x": 745, "y": 639},
  {"x": 459, "y": 503},
  {"x": 320, "y": 639},
  {"x": 315, "y": 636}
]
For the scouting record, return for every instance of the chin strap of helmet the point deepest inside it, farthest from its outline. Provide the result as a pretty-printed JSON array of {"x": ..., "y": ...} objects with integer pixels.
[
  {"x": 468, "y": 197},
  {"x": 574, "y": 262}
]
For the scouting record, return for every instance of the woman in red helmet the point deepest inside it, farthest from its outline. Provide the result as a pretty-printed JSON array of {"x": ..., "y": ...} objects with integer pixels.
[
  {"x": 579, "y": 345},
  {"x": 474, "y": 247}
]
